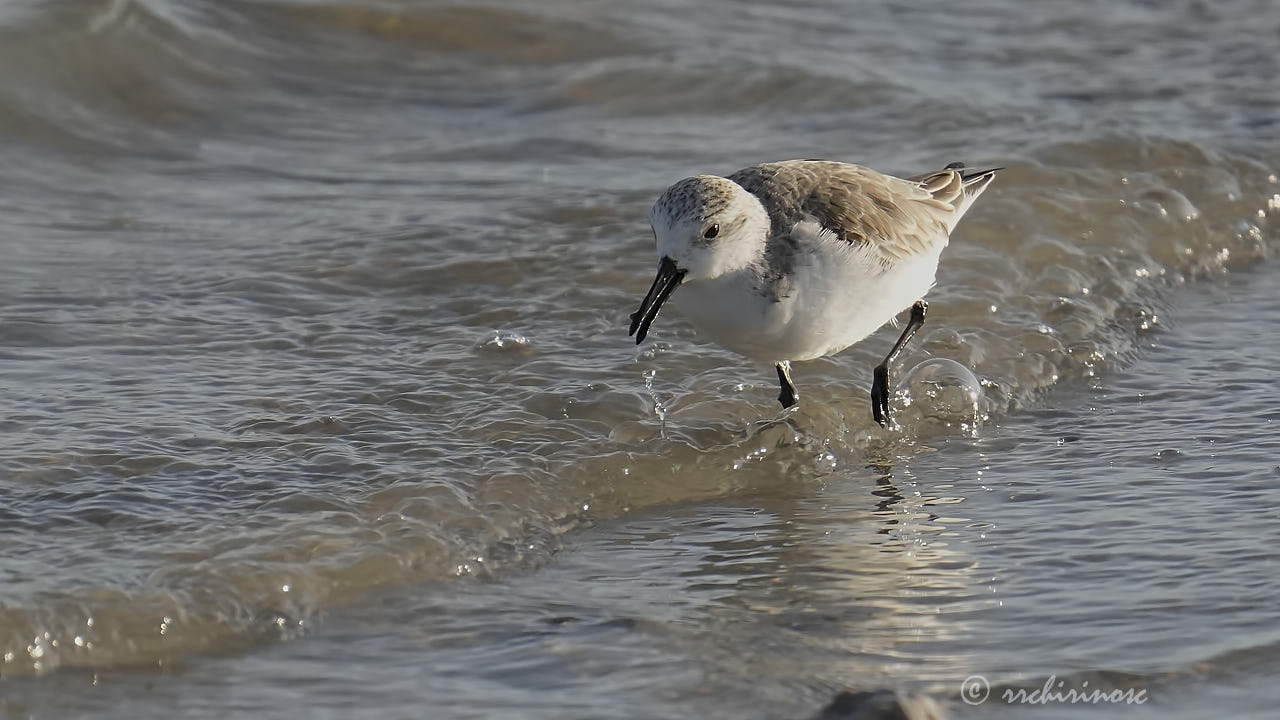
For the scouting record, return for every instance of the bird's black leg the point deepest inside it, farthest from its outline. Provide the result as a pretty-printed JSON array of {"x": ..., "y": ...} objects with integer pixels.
[
  {"x": 788, "y": 395},
  {"x": 880, "y": 383}
]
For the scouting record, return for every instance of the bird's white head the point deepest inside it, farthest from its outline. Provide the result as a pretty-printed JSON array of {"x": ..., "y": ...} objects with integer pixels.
[
  {"x": 709, "y": 226},
  {"x": 706, "y": 226}
]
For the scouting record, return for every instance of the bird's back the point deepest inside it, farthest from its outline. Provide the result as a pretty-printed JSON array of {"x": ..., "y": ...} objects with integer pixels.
[{"x": 896, "y": 217}]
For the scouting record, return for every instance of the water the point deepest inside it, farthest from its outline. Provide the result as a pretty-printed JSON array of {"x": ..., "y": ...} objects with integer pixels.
[{"x": 318, "y": 398}]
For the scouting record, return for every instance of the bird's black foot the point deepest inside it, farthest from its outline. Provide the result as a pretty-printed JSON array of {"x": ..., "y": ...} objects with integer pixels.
[
  {"x": 880, "y": 384},
  {"x": 880, "y": 395},
  {"x": 787, "y": 396}
]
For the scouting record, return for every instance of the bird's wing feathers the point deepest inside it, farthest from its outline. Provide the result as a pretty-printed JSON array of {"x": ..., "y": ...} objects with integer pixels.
[{"x": 895, "y": 217}]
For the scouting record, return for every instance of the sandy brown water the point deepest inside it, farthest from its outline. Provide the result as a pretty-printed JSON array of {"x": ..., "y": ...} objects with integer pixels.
[{"x": 317, "y": 394}]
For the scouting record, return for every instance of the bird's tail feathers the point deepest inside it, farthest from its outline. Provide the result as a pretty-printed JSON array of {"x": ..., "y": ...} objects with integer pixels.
[{"x": 957, "y": 186}]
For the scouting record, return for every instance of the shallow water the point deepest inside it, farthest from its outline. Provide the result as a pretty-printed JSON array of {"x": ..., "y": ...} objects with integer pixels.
[{"x": 318, "y": 393}]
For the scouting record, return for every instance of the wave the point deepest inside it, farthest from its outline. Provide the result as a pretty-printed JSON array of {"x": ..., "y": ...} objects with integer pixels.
[{"x": 146, "y": 76}]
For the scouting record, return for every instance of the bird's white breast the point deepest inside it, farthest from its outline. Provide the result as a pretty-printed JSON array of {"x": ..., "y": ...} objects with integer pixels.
[{"x": 836, "y": 295}]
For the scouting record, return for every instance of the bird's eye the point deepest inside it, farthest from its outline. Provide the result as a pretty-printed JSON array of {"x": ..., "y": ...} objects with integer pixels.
[{"x": 711, "y": 232}]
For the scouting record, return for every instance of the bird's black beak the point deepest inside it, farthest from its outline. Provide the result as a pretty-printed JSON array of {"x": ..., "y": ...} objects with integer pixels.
[{"x": 669, "y": 276}]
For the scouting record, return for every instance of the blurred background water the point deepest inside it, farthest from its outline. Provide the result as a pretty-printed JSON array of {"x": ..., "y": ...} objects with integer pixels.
[{"x": 317, "y": 396}]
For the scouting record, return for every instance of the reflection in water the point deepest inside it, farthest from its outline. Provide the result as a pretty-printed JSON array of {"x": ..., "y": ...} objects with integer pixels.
[
  {"x": 816, "y": 591},
  {"x": 885, "y": 489}
]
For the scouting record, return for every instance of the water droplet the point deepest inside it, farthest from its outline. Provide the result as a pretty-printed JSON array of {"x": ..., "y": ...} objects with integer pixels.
[{"x": 505, "y": 341}]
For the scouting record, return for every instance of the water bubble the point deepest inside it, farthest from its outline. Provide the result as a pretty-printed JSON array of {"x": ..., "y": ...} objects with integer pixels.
[
  {"x": 1168, "y": 202},
  {"x": 942, "y": 390}
]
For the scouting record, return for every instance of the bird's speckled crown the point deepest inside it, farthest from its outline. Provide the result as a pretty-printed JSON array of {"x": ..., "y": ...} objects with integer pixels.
[{"x": 695, "y": 199}]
